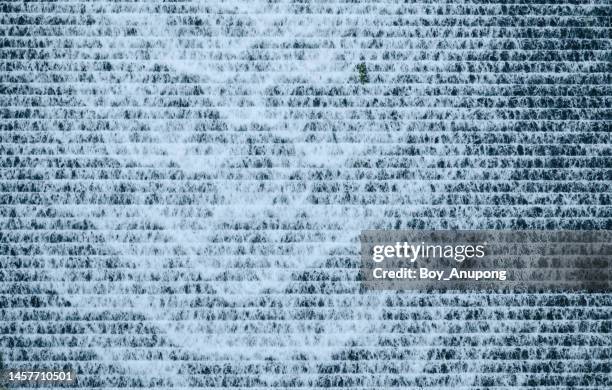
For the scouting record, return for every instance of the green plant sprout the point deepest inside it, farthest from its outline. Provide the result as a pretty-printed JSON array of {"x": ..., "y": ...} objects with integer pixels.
[{"x": 363, "y": 73}]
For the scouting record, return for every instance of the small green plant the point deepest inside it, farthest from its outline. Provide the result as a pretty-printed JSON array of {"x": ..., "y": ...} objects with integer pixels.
[{"x": 363, "y": 73}]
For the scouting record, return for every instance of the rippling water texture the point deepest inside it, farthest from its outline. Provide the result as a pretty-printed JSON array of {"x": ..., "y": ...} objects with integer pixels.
[{"x": 183, "y": 185}]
